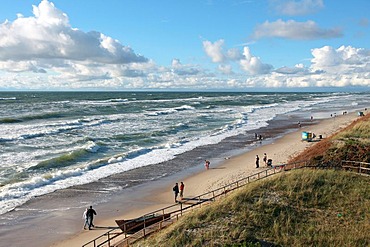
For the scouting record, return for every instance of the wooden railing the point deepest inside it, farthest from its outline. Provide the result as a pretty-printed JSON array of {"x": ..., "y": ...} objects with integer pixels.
[{"x": 117, "y": 237}]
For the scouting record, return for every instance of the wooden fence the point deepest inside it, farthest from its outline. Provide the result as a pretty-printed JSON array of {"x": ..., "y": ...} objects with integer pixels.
[{"x": 117, "y": 237}]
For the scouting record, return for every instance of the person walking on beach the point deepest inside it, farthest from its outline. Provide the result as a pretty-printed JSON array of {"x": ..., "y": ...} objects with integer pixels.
[
  {"x": 86, "y": 220},
  {"x": 257, "y": 161},
  {"x": 206, "y": 164},
  {"x": 265, "y": 159},
  {"x": 182, "y": 187},
  {"x": 176, "y": 191},
  {"x": 90, "y": 216}
]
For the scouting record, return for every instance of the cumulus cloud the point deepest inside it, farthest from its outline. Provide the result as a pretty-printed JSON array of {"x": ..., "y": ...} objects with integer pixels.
[
  {"x": 46, "y": 41},
  {"x": 294, "y": 7},
  {"x": 180, "y": 69},
  {"x": 291, "y": 29},
  {"x": 249, "y": 63},
  {"x": 298, "y": 69},
  {"x": 253, "y": 65},
  {"x": 225, "y": 69},
  {"x": 330, "y": 67},
  {"x": 347, "y": 58},
  {"x": 214, "y": 50},
  {"x": 217, "y": 54},
  {"x": 45, "y": 52}
]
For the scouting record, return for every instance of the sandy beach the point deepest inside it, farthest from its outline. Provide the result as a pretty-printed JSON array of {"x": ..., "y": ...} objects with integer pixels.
[{"x": 157, "y": 194}]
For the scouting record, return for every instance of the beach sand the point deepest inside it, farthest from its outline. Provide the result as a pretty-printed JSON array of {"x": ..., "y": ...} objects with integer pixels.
[{"x": 154, "y": 195}]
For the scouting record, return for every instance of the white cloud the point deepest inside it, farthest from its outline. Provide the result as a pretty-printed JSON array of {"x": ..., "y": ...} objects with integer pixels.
[
  {"x": 216, "y": 53},
  {"x": 214, "y": 50},
  {"x": 225, "y": 69},
  {"x": 345, "y": 66},
  {"x": 253, "y": 65},
  {"x": 294, "y": 30},
  {"x": 47, "y": 42},
  {"x": 45, "y": 52},
  {"x": 294, "y": 7},
  {"x": 182, "y": 70},
  {"x": 345, "y": 59}
]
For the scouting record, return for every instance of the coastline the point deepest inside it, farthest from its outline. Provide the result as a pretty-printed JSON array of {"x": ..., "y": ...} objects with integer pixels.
[{"x": 151, "y": 196}]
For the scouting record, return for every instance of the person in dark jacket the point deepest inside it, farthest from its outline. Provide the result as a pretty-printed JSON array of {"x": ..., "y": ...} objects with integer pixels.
[
  {"x": 176, "y": 191},
  {"x": 90, "y": 216}
]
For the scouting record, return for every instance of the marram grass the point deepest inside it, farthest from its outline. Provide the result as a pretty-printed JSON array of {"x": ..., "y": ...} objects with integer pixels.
[{"x": 297, "y": 208}]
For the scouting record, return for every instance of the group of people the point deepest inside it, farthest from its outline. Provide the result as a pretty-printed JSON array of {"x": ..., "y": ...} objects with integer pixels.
[
  {"x": 258, "y": 137},
  {"x": 178, "y": 190},
  {"x": 88, "y": 217},
  {"x": 267, "y": 162}
]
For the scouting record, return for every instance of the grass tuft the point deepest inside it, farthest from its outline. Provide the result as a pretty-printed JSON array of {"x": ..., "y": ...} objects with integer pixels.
[
  {"x": 299, "y": 208},
  {"x": 296, "y": 208}
]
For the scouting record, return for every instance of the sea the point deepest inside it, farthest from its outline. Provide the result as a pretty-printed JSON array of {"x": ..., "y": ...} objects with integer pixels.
[{"x": 51, "y": 141}]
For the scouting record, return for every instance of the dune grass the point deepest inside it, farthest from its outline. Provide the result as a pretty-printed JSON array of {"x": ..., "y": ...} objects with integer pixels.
[
  {"x": 298, "y": 208},
  {"x": 350, "y": 144}
]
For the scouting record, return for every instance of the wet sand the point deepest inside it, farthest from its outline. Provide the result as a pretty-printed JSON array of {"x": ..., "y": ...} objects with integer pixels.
[
  {"x": 149, "y": 197},
  {"x": 59, "y": 223}
]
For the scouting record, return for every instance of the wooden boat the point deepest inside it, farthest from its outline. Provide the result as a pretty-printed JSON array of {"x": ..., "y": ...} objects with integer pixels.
[{"x": 133, "y": 225}]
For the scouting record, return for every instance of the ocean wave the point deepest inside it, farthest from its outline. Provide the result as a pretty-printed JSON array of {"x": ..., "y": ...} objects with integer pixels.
[
  {"x": 9, "y": 98},
  {"x": 10, "y": 120},
  {"x": 170, "y": 110},
  {"x": 49, "y": 129},
  {"x": 60, "y": 161},
  {"x": 47, "y": 115},
  {"x": 66, "y": 159},
  {"x": 147, "y": 143},
  {"x": 103, "y": 102}
]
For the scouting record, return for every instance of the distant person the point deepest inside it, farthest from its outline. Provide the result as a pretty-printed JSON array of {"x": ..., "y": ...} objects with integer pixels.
[
  {"x": 90, "y": 216},
  {"x": 182, "y": 187},
  {"x": 299, "y": 124},
  {"x": 260, "y": 138},
  {"x": 206, "y": 164},
  {"x": 269, "y": 162},
  {"x": 257, "y": 161},
  {"x": 255, "y": 136},
  {"x": 176, "y": 191},
  {"x": 311, "y": 118},
  {"x": 86, "y": 220},
  {"x": 265, "y": 159}
]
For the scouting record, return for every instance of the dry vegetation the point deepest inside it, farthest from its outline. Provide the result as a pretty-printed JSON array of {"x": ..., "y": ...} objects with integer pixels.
[
  {"x": 351, "y": 144},
  {"x": 299, "y": 208},
  {"x": 296, "y": 208}
]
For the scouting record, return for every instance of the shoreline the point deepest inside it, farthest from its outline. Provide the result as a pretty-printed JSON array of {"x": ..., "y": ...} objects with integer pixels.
[{"x": 154, "y": 195}]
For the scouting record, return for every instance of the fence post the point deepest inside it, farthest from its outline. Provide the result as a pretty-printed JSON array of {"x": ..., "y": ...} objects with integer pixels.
[
  {"x": 144, "y": 226},
  {"x": 359, "y": 168}
]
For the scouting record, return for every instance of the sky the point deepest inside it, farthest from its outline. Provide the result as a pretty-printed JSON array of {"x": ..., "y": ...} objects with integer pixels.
[{"x": 239, "y": 45}]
